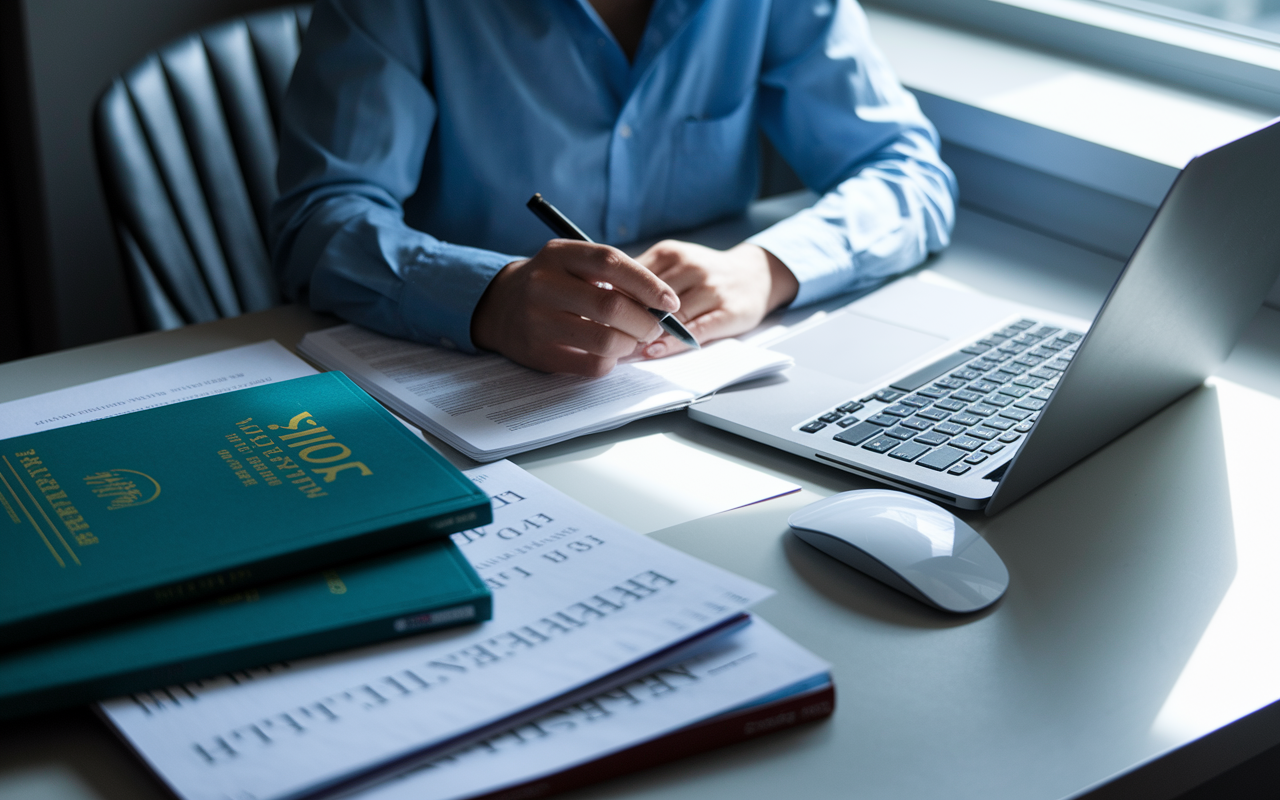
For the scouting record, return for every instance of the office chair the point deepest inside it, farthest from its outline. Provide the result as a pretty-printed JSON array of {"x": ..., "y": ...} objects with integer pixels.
[{"x": 186, "y": 147}]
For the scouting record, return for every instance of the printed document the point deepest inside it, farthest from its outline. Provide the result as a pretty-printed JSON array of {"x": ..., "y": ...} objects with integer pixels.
[
  {"x": 490, "y": 408},
  {"x": 756, "y": 665},
  {"x": 201, "y": 376},
  {"x": 577, "y": 599}
]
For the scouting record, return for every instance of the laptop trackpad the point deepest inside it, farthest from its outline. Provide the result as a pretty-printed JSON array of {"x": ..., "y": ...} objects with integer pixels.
[{"x": 857, "y": 348}]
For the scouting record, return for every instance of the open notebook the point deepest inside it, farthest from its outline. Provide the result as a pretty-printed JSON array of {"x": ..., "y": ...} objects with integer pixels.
[{"x": 489, "y": 407}]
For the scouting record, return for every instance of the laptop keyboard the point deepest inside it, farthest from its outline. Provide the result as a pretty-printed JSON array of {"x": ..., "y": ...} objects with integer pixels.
[{"x": 962, "y": 409}]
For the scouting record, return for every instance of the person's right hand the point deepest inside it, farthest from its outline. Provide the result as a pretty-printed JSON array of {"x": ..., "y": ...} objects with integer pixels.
[{"x": 551, "y": 312}]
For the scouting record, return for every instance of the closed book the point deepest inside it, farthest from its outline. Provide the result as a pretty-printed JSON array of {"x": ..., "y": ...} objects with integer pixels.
[
  {"x": 203, "y": 498},
  {"x": 404, "y": 593}
]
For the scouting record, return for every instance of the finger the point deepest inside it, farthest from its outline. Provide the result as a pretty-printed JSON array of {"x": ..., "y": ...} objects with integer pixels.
[
  {"x": 594, "y": 338},
  {"x": 665, "y": 346},
  {"x": 715, "y": 324},
  {"x": 611, "y": 308},
  {"x": 625, "y": 274}
]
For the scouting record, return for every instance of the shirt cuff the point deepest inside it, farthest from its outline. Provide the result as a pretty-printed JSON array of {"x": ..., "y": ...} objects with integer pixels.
[
  {"x": 442, "y": 287},
  {"x": 816, "y": 254}
]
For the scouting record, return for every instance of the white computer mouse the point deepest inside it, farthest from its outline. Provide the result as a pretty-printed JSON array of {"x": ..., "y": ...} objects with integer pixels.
[{"x": 916, "y": 547}]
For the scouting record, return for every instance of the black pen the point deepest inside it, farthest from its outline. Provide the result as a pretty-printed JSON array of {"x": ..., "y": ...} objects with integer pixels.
[{"x": 565, "y": 229}]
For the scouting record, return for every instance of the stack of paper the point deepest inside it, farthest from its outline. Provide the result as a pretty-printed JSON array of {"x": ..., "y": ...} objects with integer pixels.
[
  {"x": 590, "y": 620},
  {"x": 490, "y": 408}
]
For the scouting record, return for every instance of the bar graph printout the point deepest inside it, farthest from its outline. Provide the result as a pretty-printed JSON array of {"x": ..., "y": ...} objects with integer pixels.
[{"x": 577, "y": 597}]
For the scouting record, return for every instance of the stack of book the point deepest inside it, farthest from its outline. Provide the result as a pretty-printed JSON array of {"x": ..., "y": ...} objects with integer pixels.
[{"x": 260, "y": 579}]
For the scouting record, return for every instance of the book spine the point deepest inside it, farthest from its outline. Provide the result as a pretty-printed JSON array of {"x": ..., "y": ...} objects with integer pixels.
[
  {"x": 67, "y": 619},
  {"x": 173, "y": 673},
  {"x": 710, "y": 734}
]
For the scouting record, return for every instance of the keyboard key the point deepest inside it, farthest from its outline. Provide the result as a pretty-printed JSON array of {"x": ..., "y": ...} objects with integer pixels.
[
  {"x": 1028, "y": 360},
  {"x": 967, "y": 396},
  {"x": 1015, "y": 390},
  {"x": 993, "y": 448},
  {"x": 959, "y": 469},
  {"x": 935, "y": 414},
  {"x": 984, "y": 433},
  {"x": 1002, "y": 375},
  {"x": 909, "y": 451},
  {"x": 941, "y": 458},
  {"x": 1059, "y": 364},
  {"x": 965, "y": 419},
  {"x": 1071, "y": 337},
  {"x": 998, "y": 423},
  {"x": 1000, "y": 400},
  {"x": 966, "y": 374},
  {"x": 966, "y": 443},
  {"x": 982, "y": 409},
  {"x": 883, "y": 420},
  {"x": 1023, "y": 427},
  {"x": 990, "y": 342},
  {"x": 932, "y": 438},
  {"x": 881, "y": 444},
  {"x": 888, "y": 395},
  {"x": 1026, "y": 339},
  {"x": 813, "y": 427},
  {"x": 934, "y": 392},
  {"x": 1012, "y": 348},
  {"x": 948, "y": 428},
  {"x": 1042, "y": 394},
  {"x": 1010, "y": 437},
  {"x": 899, "y": 410},
  {"x": 976, "y": 458},
  {"x": 1015, "y": 414},
  {"x": 999, "y": 355},
  {"x": 831, "y": 416},
  {"x": 900, "y": 433},
  {"x": 1027, "y": 381},
  {"x": 949, "y": 383},
  {"x": 868, "y": 398},
  {"x": 847, "y": 421},
  {"x": 1044, "y": 373},
  {"x": 857, "y": 434},
  {"x": 850, "y": 407},
  {"x": 975, "y": 349},
  {"x": 917, "y": 424},
  {"x": 952, "y": 405},
  {"x": 1023, "y": 324},
  {"x": 916, "y": 401},
  {"x": 1030, "y": 404},
  {"x": 983, "y": 386},
  {"x": 1046, "y": 331}
]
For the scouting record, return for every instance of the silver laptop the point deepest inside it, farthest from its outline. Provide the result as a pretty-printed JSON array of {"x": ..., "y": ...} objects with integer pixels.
[{"x": 974, "y": 401}]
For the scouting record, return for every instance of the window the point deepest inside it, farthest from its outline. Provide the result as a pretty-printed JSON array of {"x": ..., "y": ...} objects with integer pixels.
[{"x": 1227, "y": 48}]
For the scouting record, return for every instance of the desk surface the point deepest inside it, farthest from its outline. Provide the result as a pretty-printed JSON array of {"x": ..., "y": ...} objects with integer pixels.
[{"x": 1134, "y": 655}]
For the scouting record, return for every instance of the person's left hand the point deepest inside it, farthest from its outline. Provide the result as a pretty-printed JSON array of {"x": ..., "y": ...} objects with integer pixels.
[{"x": 722, "y": 292}]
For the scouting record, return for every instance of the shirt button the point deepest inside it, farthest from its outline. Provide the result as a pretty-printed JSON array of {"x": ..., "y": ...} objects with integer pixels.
[{"x": 624, "y": 131}]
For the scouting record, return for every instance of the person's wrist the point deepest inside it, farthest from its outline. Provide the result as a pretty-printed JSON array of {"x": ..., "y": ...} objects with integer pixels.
[
  {"x": 487, "y": 318},
  {"x": 783, "y": 285}
]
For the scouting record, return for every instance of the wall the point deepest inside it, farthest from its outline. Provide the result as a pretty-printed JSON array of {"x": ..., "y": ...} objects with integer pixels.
[{"x": 75, "y": 48}]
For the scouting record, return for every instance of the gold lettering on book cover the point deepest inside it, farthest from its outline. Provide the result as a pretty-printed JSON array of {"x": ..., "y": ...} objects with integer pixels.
[
  {"x": 123, "y": 488},
  {"x": 289, "y": 455}
]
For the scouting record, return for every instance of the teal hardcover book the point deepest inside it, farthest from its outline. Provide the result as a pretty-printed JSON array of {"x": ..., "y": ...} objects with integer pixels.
[
  {"x": 400, "y": 594},
  {"x": 148, "y": 510}
]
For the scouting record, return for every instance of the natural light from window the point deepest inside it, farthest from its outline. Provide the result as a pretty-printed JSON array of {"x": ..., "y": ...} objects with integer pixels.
[{"x": 1236, "y": 16}]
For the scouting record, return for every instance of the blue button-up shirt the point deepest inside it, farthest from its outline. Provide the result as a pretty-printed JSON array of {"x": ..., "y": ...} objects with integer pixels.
[{"x": 414, "y": 131}]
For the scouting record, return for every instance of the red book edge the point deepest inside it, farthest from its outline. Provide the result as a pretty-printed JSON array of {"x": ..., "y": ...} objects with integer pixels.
[{"x": 725, "y": 729}]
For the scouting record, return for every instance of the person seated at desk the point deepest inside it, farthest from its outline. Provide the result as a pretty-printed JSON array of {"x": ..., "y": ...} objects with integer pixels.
[{"x": 413, "y": 132}]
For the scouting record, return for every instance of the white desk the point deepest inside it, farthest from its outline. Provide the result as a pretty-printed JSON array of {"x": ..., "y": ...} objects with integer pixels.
[{"x": 1141, "y": 617}]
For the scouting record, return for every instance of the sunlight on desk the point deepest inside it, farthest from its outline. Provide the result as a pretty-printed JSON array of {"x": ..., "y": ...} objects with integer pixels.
[
  {"x": 655, "y": 482},
  {"x": 1232, "y": 670}
]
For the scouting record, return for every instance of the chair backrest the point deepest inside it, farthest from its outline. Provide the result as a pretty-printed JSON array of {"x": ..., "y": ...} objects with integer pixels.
[{"x": 186, "y": 144}]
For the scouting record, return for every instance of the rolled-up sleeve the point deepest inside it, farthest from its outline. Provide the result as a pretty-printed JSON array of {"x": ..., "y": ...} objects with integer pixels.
[
  {"x": 355, "y": 126},
  {"x": 836, "y": 112}
]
